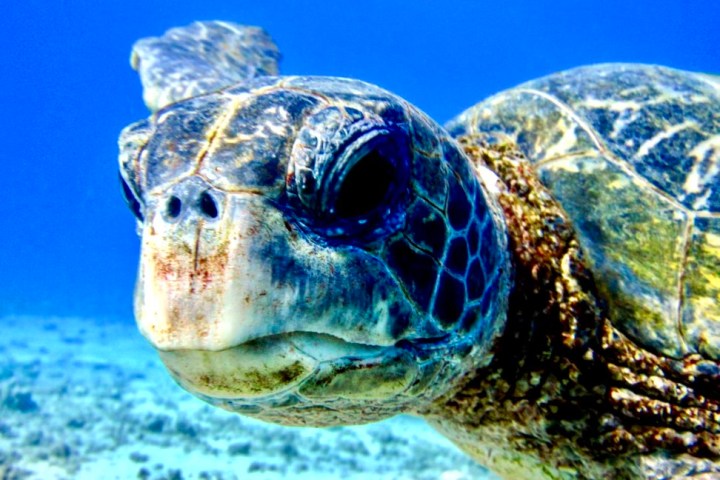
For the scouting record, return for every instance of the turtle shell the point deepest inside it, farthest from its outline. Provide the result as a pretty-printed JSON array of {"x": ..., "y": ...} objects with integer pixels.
[{"x": 632, "y": 152}]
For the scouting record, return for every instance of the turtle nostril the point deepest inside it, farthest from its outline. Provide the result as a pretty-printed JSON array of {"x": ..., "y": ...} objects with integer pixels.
[
  {"x": 174, "y": 206},
  {"x": 208, "y": 205}
]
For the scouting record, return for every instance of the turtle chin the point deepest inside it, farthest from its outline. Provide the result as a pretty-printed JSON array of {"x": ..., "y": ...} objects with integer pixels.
[{"x": 300, "y": 378}]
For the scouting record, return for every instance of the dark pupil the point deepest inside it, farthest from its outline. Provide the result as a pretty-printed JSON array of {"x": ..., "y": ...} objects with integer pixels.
[{"x": 365, "y": 187}]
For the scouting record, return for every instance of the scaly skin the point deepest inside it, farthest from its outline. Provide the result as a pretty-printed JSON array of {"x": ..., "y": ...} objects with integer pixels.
[{"x": 567, "y": 395}]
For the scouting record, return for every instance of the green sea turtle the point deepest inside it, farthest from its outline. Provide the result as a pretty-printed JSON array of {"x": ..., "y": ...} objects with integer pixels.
[{"x": 539, "y": 279}]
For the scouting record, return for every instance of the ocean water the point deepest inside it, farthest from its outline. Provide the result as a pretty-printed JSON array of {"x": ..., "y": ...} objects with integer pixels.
[{"x": 69, "y": 252}]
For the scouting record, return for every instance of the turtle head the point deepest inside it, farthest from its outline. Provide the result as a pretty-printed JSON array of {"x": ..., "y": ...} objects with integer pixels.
[{"x": 314, "y": 250}]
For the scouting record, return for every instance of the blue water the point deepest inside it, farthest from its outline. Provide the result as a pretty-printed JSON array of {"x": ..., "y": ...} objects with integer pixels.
[{"x": 67, "y": 241}]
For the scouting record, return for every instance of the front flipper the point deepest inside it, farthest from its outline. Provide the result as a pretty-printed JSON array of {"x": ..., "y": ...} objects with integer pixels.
[{"x": 201, "y": 58}]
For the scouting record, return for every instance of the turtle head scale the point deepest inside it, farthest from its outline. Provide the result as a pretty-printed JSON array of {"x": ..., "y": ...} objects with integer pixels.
[{"x": 313, "y": 249}]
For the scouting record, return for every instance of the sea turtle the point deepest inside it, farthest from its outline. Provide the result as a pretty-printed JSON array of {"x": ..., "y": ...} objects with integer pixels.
[{"x": 539, "y": 279}]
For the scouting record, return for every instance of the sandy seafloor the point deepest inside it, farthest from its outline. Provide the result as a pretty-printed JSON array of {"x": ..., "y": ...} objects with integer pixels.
[{"x": 83, "y": 399}]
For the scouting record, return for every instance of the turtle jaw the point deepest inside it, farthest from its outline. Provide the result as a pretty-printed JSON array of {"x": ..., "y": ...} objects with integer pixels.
[{"x": 311, "y": 366}]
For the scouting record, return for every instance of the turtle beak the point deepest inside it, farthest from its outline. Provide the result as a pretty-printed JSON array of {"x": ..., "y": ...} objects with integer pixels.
[{"x": 196, "y": 277}]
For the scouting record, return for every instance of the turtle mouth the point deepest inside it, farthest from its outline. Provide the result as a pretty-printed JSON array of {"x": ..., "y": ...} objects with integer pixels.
[{"x": 311, "y": 365}]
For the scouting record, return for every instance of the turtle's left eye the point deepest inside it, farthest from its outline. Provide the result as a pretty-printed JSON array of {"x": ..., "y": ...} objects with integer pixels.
[
  {"x": 131, "y": 199},
  {"x": 366, "y": 186},
  {"x": 351, "y": 185},
  {"x": 363, "y": 188}
]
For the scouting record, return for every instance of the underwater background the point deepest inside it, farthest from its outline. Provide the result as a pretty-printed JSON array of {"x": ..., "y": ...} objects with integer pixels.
[
  {"x": 68, "y": 243},
  {"x": 68, "y": 247}
]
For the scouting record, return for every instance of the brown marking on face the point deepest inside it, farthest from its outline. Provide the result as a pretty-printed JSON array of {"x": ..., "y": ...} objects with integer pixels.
[{"x": 189, "y": 273}]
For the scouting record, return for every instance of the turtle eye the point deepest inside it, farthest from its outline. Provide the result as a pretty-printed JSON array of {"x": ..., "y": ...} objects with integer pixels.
[
  {"x": 362, "y": 189},
  {"x": 131, "y": 199},
  {"x": 366, "y": 186},
  {"x": 350, "y": 184}
]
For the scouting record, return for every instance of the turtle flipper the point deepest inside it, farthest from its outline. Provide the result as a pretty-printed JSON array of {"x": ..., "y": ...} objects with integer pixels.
[{"x": 200, "y": 58}]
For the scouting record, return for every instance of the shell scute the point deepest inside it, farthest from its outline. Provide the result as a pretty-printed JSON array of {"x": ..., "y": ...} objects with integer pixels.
[
  {"x": 701, "y": 287},
  {"x": 534, "y": 122},
  {"x": 632, "y": 152}
]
